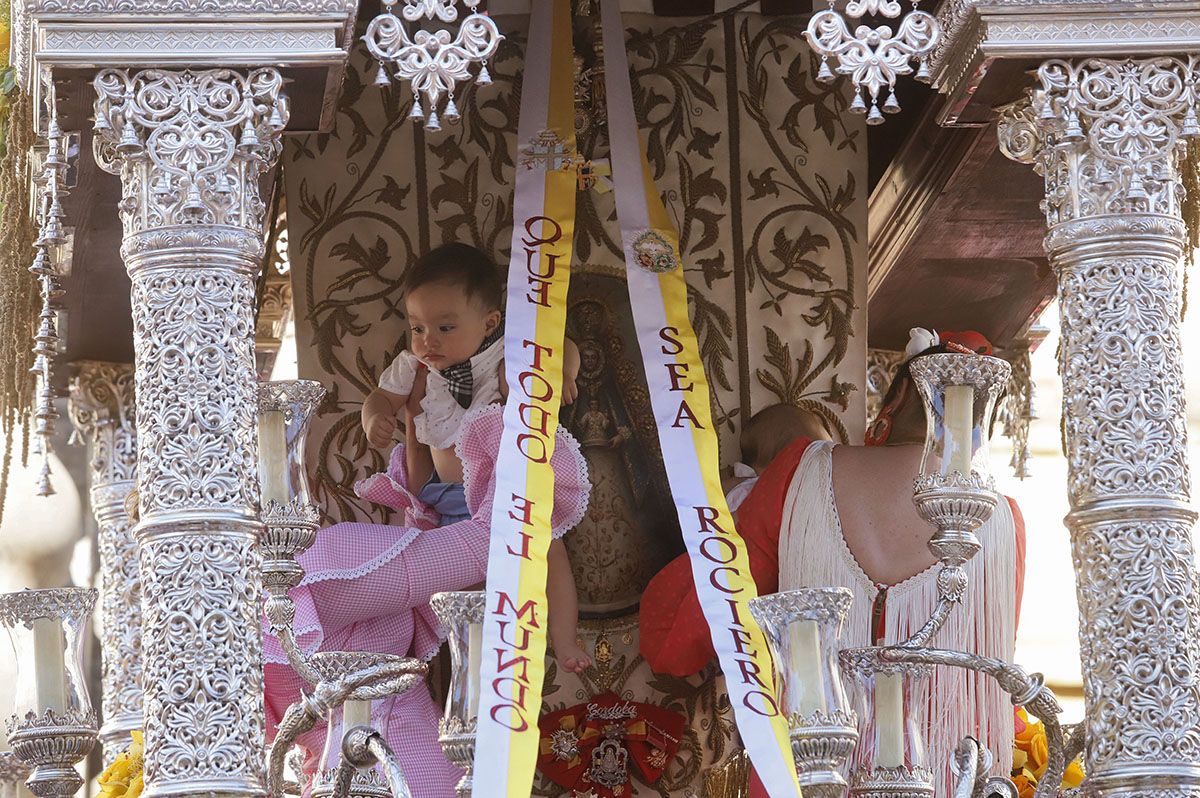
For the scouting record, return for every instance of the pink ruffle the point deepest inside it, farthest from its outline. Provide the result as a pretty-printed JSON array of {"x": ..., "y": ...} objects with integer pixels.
[
  {"x": 389, "y": 489},
  {"x": 477, "y": 447},
  {"x": 367, "y": 586}
]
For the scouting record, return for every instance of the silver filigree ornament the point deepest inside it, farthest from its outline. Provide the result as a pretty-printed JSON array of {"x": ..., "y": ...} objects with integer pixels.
[
  {"x": 1107, "y": 137},
  {"x": 190, "y": 147},
  {"x": 101, "y": 408},
  {"x": 873, "y": 56},
  {"x": 47, "y": 252},
  {"x": 436, "y": 60}
]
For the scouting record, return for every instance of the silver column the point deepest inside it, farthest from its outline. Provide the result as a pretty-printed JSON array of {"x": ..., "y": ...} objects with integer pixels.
[
  {"x": 101, "y": 407},
  {"x": 1107, "y": 136},
  {"x": 190, "y": 147}
]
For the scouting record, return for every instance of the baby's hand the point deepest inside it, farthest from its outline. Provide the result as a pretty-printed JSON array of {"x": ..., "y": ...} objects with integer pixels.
[
  {"x": 570, "y": 391},
  {"x": 379, "y": 429},
  {"x": 572, "y": 658}
]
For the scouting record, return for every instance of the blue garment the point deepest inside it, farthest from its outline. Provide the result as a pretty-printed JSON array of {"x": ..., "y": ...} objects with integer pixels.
[{"x": 448, "y": 499}]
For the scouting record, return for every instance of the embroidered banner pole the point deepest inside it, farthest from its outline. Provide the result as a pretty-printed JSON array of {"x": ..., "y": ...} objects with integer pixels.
[
  {"x": 680, "y": 398},
  {"x": 514, "y": 630}
]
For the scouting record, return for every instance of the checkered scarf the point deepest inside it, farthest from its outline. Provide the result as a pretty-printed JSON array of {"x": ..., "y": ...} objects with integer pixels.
[{"x": 460, "y": 378}]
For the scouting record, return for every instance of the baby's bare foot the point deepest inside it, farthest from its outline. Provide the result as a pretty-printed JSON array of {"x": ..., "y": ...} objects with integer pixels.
[{"x": 573, "y": 658}]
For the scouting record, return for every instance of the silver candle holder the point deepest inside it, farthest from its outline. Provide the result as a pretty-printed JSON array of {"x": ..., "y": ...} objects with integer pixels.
[
  {"x": 954, "y": 490},
  {"x": 54, "y": 726},
  {"x": 889, "y": 696},
  {"x": 803, "y": 628},
  {"x": 290, "y": 518},
  {"x": 461, "y": 613}
]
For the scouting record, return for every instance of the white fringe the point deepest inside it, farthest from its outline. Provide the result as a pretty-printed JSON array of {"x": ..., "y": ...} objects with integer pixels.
[{"x": 813, "y": 553}]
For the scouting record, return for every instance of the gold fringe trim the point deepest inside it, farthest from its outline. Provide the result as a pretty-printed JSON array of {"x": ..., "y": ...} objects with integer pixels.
[
  {"x": 1190, "y": 169},
  {"x": 731, "y": 780},
  {"x": 20, "y": 300}
]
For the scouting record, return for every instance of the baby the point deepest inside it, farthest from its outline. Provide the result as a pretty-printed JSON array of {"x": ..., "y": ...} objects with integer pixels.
[
  {"x": 453, "y": 297},
  {"x": 765, "y": 435}
]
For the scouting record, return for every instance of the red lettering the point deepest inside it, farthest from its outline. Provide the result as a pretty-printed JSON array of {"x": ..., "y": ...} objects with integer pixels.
[
  {"x": 528, "y": 607},
  {"x": 733, "y": 611},
  {"x": 750, "y": 672},
  {"x": 524, "y": 552},
  {"x": 525, "y": 507},
  {"x": 686, "y": 412},
  {"x": 668, "y": 334},
  {"x": 547, "y": 390},
  {"x": 535, "y": 240},
  {"x": 741, "y": 637},
  {"x": 533, "y": 447},
  {"x": 524, "y": 646},
  {"x": 769, "y": 709},
  {"x": 520, "y": 727},
  {"x": 531, "y": 255},
  {"x": 521, "y": 661},
  {"x": 708, "y": 520},
  {"x": 538, "y": 349},
  {"x": 705, "y": 550},
  {"x": 712, "y": 579},
  {"x": 540, "y": 293},
  {"x": 518, "y": 694},
  {"x": 543, "y": 426},
  {"x": 678, "y": 372}
]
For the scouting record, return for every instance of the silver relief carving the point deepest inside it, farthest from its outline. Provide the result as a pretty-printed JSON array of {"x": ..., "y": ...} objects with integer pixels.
[
  {"x": 190, "y": 147},
  {"x": 102, "y": 409},
  {"x": 1106, "y": 136}
]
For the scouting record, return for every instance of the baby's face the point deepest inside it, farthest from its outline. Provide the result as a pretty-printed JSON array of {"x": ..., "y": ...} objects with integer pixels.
[{"x": 448, "y": 326}]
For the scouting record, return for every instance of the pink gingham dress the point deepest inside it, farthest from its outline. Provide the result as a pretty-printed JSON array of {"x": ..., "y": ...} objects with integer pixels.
[{"x": 367, "y": 588}]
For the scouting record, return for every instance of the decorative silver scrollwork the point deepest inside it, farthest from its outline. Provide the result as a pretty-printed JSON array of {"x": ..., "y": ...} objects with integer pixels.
[
  {"x": 873, "y": 56},
  {"x": 190, "y": 147},
  {"x": 433, "y": 61},
  {"x": 102, "y": 409},
  {"x": 1108, "y": 141}
]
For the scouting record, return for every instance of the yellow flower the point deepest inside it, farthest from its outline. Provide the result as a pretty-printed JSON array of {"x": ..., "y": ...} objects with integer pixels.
[
  {"x": 135, "y": 787},
  {"x": 123, "y": 778},
  {"x": 1073, "y": 776},
  {"x": 1025, "y": 787},
  {"x": 1039, "y": 754}
]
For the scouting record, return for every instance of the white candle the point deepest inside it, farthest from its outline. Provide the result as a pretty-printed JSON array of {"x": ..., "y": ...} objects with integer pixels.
[
  {"x": 326, "y": 762},
  {"x": 474, "y": 667},
  {"x": 889, "y": 720},
  {"x": 49, "y": 665},
  {"x": 355, "y": 713},
  {"x": 960, "y": 401},
  {"x": 805, "y": 655},
  {"x": 272, "y": 456}
]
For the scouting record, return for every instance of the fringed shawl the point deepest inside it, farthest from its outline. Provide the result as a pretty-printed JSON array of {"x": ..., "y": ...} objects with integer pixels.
[{"x": 813, "y": 553}]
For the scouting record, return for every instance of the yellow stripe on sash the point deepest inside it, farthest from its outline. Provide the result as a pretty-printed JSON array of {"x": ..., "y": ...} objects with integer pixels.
[{"x": 515, "y": 623}]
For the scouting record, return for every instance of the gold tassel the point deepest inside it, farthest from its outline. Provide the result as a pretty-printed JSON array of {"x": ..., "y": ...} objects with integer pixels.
[
  {"x": 1190, "y": 174},
  {"x": 731, "y": 780},
  {"x": 19, "y": 297}
]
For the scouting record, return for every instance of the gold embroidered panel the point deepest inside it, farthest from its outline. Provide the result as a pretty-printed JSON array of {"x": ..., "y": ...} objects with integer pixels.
[
  {"x": 764, "y": 171},
  {"x": 763, "y": 168}
]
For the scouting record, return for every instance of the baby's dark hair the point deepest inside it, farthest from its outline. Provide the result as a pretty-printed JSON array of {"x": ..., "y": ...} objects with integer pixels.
[{"x": 462, "y": 265}]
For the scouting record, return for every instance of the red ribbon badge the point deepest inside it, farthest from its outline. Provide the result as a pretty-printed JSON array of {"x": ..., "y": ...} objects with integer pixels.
[{"x": 588, "y": 748}]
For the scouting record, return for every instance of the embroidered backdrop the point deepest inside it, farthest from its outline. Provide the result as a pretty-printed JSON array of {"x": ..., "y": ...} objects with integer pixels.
[{"x": 764, "y": 171}]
